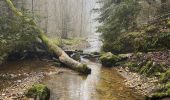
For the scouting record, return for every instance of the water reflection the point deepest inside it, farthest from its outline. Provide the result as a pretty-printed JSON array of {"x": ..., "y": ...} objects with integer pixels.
[
  {"x": 101, "y": 84},
  {"x": 71, "y": 86},
  {"x": 88, "y": 88}
]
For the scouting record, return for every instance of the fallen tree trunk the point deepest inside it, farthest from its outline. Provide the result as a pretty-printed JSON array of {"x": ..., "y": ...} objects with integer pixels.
[{"x": 63, "y": 57}]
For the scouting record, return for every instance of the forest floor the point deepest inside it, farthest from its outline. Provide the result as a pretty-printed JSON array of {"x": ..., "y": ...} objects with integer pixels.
[
  {"x": 139, "y": 83},
  {"x": 145, "y": 85}
]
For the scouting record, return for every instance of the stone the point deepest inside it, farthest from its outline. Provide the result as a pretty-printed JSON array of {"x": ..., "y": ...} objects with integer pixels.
[{"x": 38, "y": 92}]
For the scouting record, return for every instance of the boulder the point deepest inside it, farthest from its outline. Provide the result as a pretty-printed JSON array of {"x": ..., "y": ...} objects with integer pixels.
[
  {"x": 38, "y": 92},
  {"x": 109, "y": 59}
]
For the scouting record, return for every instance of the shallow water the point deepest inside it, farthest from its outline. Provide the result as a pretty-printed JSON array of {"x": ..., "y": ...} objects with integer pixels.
[
  {"x": 12, "y": 71},
  {"x": 102, "y": 84}
]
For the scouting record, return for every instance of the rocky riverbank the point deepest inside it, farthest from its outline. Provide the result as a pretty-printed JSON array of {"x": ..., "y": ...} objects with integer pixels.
[
  {"x": 17, "y": 77},
  {"x": 139, "y": 83},
  {"x": 146, "y": 73}
]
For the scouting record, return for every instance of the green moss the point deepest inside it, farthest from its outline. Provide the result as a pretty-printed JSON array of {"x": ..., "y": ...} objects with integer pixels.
[
  {"x": 168, "y": 22},
  {"x": 164, "y": 91},
  {"x": 38, "y": 91},
  {"x": 149, "y": 40},
  {"x": 151, "y": 69},
  {"x": 109, "y": 59},
  {"x": 145, "y": 69},
  {"x": 3, "y": 56},
  {"x": 69, "y": 41},
  {"x": 76, "y": 56},
  {"x": 84, "y": 69},
  {"x": 165, "y": 76},
  {"x": 148, "y": 68},
  {"x": 132, "y": 66},
  {"x": 151, "y": 29}
]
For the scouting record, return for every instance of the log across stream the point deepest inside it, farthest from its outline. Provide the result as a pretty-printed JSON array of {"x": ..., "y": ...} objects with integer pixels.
[
  {"x": 65, "y": 84},
  {"x": 102, "y": 84}
]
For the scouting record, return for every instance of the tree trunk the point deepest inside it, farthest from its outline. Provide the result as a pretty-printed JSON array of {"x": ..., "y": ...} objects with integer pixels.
[{"x": 63, "y": 57}]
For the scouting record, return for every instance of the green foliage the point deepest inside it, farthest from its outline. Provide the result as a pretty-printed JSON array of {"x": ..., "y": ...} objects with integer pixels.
[
  {"x": 151, "y": 69},
  {"x": 138, "y": 41},
  {"x": 147, "y": 68},
  {"x": 163, "y": 40},
  {"x": 120, "y": 32},
  {"x": 132, "y": 66},
  {"x": 132, "y": 41},
  {"x": 165, "y": 76},
  {"x": 151, "y": 29},
  {"x": 164, "y": 91},
  {"x": 38, "y": 91},
  {"x": 15, "y": 34},
  {"x": 116, "y": 18}
]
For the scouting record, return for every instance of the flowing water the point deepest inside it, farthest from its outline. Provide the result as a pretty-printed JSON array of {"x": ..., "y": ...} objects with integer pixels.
[{"x": 102, "y": 84}]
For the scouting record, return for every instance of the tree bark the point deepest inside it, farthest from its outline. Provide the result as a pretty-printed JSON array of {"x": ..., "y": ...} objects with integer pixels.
[{"x": 63, "y": 57}]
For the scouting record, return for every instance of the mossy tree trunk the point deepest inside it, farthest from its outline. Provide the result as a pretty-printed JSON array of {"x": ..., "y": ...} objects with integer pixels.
[{"x": 63, "y": 57}]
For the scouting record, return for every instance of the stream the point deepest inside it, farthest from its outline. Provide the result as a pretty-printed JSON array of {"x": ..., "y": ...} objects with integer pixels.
[{"x": 102, "y": 84}]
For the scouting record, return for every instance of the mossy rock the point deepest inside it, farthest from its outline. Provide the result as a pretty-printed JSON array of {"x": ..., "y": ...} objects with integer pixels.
[
  {"x": 109, "y": 59},
  {"x": 165, "y": 76},
  {"x": 38, "y": 92}
]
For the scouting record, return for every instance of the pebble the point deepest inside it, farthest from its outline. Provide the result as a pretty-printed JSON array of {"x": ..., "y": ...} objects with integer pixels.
[{"x": 19, "y": 81}]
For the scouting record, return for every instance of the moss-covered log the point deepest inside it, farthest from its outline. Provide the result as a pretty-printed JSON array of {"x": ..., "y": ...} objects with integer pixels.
[{"x": 63, "y": 57}]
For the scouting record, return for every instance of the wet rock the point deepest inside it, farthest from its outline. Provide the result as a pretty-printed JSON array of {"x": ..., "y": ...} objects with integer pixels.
[
  {"x": 108, "y": 59},
  {"x": 38, "y": 92}
]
